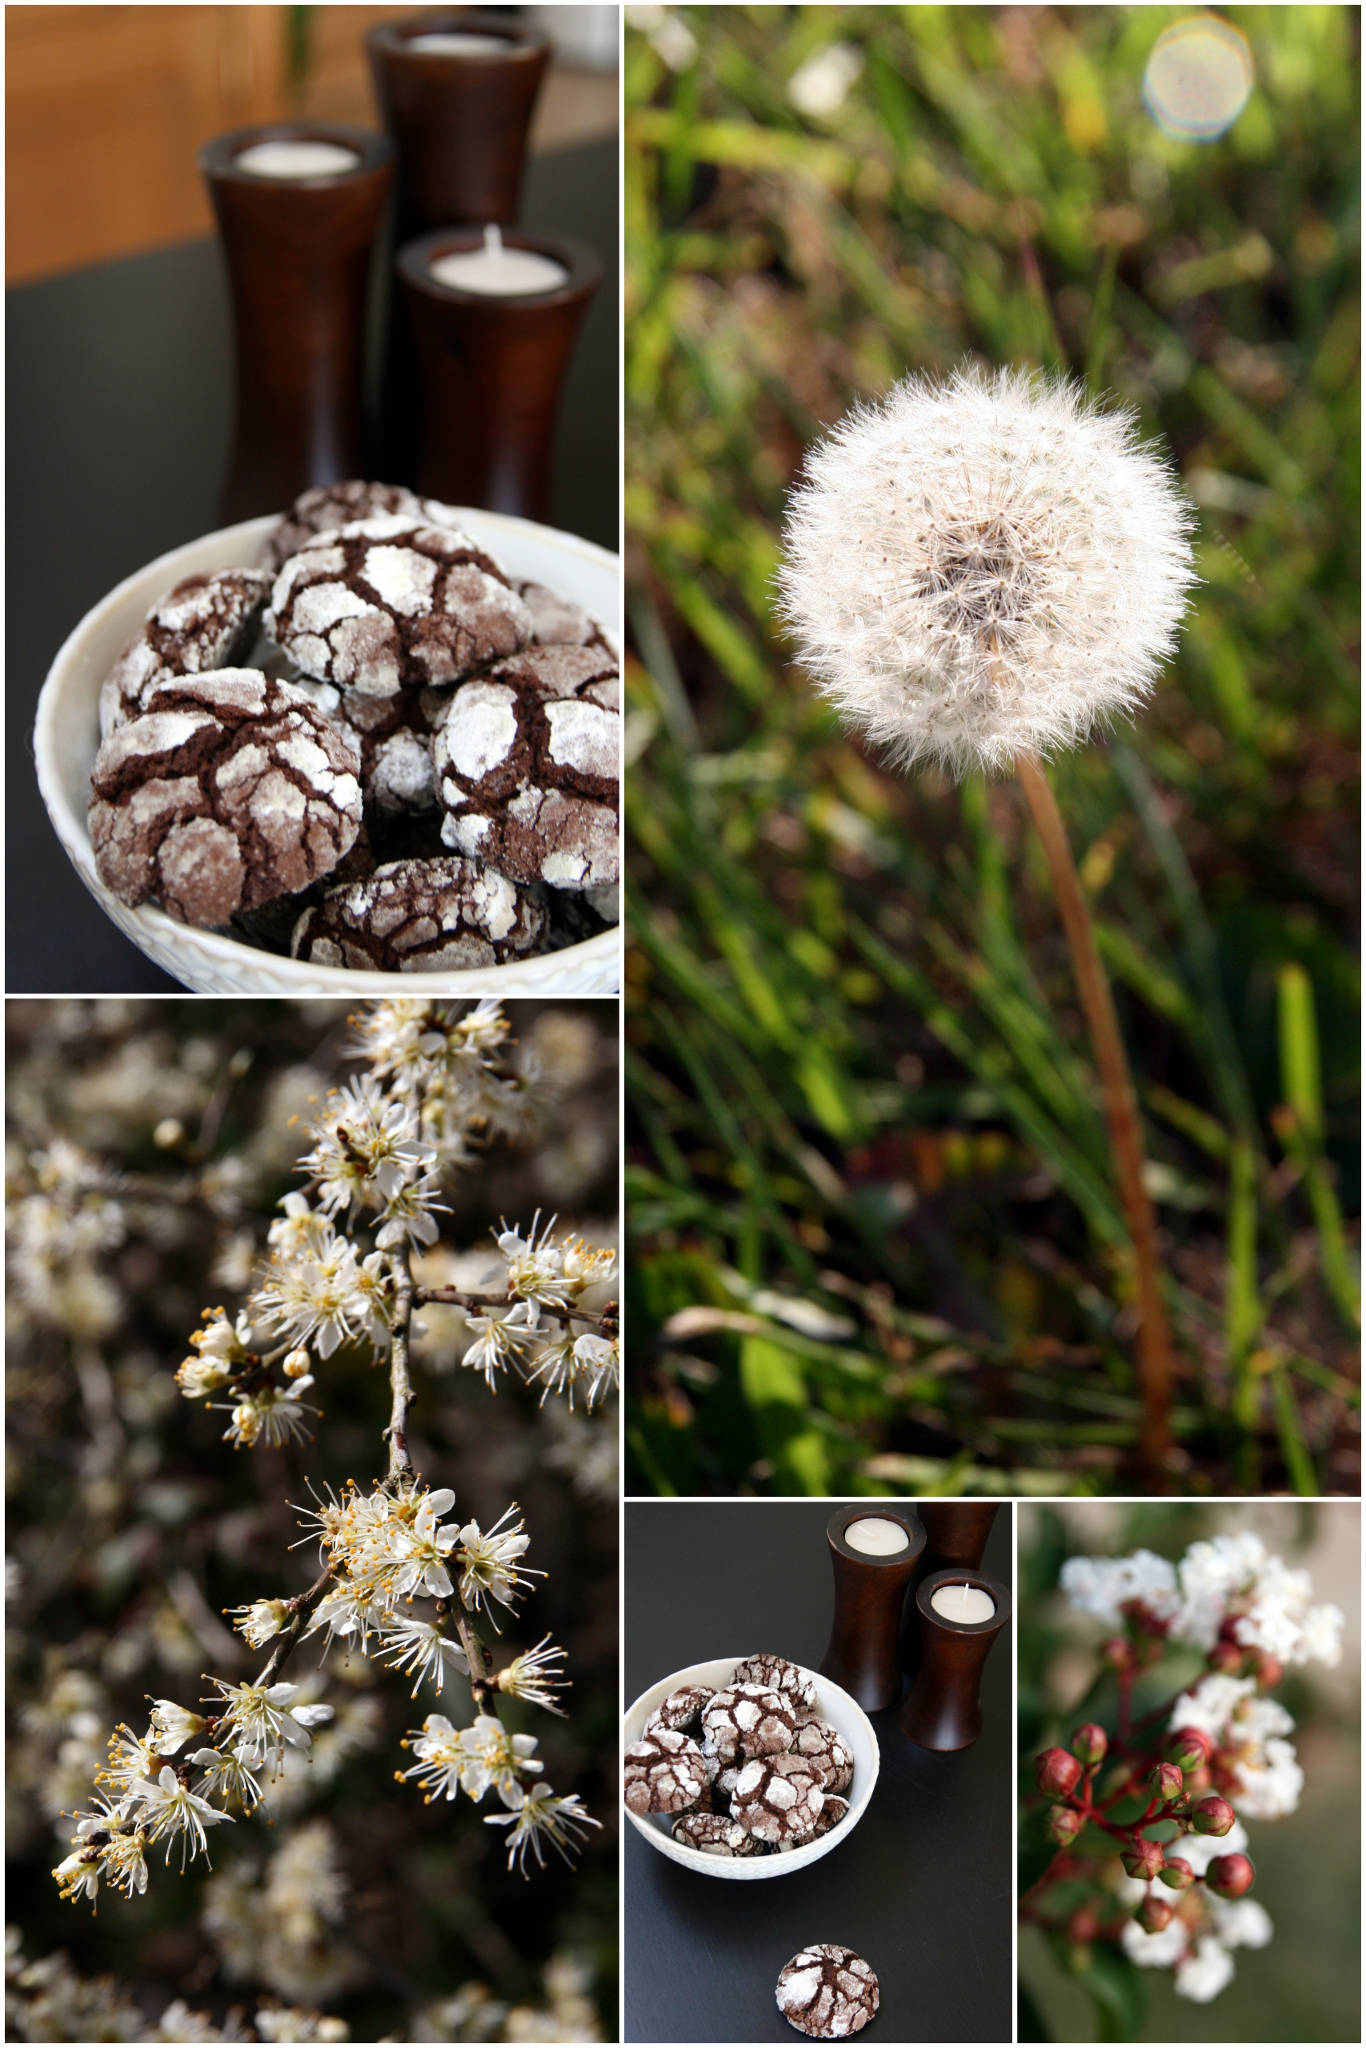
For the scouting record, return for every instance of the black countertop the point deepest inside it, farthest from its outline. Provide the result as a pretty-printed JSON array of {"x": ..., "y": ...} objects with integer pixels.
[
  {"x": 923, "y": 1886},
  {"x": 119, "y": 385}
]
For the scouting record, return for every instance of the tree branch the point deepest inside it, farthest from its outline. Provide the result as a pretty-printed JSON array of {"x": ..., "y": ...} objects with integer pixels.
[
  {"x": 400, "y": 1459},
  {"x": 287, "y": 1640}
]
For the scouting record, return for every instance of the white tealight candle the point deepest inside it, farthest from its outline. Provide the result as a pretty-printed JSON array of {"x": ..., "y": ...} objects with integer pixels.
[
  {"x": 878, "y": 1535},
  {"x": 501, "y": 273},
  {"x": 963, "y": 1603},
  {"x": 451, "y": 43},
  {"x": 295, "y": 158}
]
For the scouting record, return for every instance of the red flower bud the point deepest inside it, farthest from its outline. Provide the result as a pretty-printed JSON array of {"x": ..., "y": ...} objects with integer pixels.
[
  {"x": 1269, "y": 1671},
  {"x": 1166, "y": 1782},
  {"x": 1084, "y": 1924},
  {"x": 1230, "y": 1876},
  {"x": 1226, "y": 1657},
  {"x": 1212, "y": 1816},
  {"x": 1189, "y": 1748},
  {"x": 1115, "y": 1651},
  {"x": 1143, "y": 1859},
  {"x": 1177, "y": 1874},
  {"x": 1064, "y": 1825},
  {"x": 1090, "y": 1742},
  {"x": 1155, "y": 1914},
  {"x": 1057, "y": 1773}
]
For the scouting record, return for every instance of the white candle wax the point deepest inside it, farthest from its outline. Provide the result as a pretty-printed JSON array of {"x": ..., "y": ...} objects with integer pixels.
[
  {"x": 878, "y": 1535},
  {"x": 451, "y": 43},
  {"x": 295, "y": 158},
  {"x": 502, "y": 273},
  {"x": 963, "y": 1603}
]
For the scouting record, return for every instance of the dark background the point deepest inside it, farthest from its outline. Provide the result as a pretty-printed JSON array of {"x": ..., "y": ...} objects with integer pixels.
[
  {"x": 921, "y": 1889},
  {"x": 120, "y": 411}
]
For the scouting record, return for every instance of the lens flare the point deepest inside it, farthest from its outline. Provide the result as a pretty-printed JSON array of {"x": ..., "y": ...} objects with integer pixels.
[{"x": 1198, "y": 79}]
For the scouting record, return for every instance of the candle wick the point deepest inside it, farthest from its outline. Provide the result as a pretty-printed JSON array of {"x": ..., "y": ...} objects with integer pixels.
[{"x": 493, "y": 240}]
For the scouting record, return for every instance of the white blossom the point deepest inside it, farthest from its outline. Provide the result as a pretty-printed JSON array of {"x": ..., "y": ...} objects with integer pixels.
[
  {"x": 173, "y": 1809},
  {"x": 536, "y": 1675},
  {"x": 1103, "y": 1586},
  {"x": 500, "y": 1341},
  {"x": 261, "y": 1620},
  {"x": 540, "y": 1817},
  {"x": 1205, "y": 1971},
  {"x": 984, "y": 566},
  {"x": 489, "y": 1564},
  {"x": 365, "y": 1146},
  {"x": 408, "y": 1644}
]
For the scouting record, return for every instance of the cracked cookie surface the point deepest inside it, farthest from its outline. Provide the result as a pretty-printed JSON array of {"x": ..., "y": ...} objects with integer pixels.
[
  {"x": 205, "y": 622},
  {"x": 327, "y": 506},
  {"x": 420, "y": 916},
  {"x": 228, "y": 790},
  {"x": 387, "y": 603},
  {"x": 527, "y": 762}
]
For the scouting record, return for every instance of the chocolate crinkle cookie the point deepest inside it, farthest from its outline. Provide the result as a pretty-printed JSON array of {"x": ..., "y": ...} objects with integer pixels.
[
  {"x": 833, "y": 1811},
  {"x": 748, "y": 1720},
  {"x": 829, "y": 1755},
  {"x": 527, "y": 762},
  {"x": 682, "y": 1709},
  {"x": 395, "y": 735},
  {"x": 388, "y": 603},
  {"x": 664, "y": 1773},
  {"x": 780, "y": 1676},
  {"x": 828, "y": 1992},
  {"x": 228, "y": 790},
  {"x": 714, "y": 1835},
  {"x": 778, "y": 1798},
  {"x": 328, "y": 506},
  {"x": 421, "y": 916},
  {"x": 205, "y": 622},
  {"x": 559, "y": 622}
]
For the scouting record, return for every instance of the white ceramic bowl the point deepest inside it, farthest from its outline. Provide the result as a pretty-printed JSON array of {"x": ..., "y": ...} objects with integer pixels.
[
  {"x": 66, "y": 737},
  {"x": 833, "y": 1704}
]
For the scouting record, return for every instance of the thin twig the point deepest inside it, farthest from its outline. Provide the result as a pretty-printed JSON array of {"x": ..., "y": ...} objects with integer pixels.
[
  {"x": 486, "y": 1694},
  {"x": 1154, "y": 1344},
  {"x": 400, "y": 1459},
  {"x": 455, "y": 1297},
  {"x": 288, "y": 1638}
]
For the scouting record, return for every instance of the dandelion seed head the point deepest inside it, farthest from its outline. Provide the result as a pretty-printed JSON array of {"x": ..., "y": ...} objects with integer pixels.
[{"x": 984, "y": 566}]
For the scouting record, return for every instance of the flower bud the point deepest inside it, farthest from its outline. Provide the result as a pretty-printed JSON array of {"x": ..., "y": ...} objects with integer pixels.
[
  {"x": 1212, "y": 1816},
  {"x": 169, "y": 1133},
  {"x": 1057, "y": 1773},
  {"x": 1154, "y": 1914},
  {"x": 1177, "y": 1874},
  {"x": 1115, "y": 1652},
  {"x": 1090, "y": 1742},
  {"x": 1228, "y": 1877},
  {"x": 1228, "y": 1658},
  {"x": 1064, "y": 1825},
  {"x": 1143, "y": 1859},
  {"x": 1269, "y": 1671},
  {"x": 1084, "y": 1924},
  {"x": 296, "y": 1364},
  {"x": 1189, "y": 1748},
  {"x": 1166, "y": 1782}
]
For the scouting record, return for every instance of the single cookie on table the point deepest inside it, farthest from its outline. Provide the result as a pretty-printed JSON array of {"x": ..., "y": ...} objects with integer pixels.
[
  {"x": 827, "y": 1991},
  {"x": 528, "y": 767},
  {"x": 781, "y": 1676},
  {"x": 748, "y": 1720},
  {"x": 682, "y": 1709},
  {"x": 327, "y": 506},
  {"x": 827, "y": 1751},
  {"x": 559, "y": 622},
  {"x": 714, "y": 1835},
  {"x": 205, "y": 622},
  {"x": 386, "y": 604},
  {"x": 420, "y": 917},
  {"x": 230, "y": 789},
  {"x": 778, "y": 1798},
  {"x": 664, "y": 1773}
]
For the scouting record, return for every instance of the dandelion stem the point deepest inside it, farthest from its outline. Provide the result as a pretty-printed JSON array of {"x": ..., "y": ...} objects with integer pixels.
[{"x": 1121, "y": 1110}]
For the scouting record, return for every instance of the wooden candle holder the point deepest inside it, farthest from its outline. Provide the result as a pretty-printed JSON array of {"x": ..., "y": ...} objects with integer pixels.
[
  {"x": 298, "y": 252},
  {"x": 459, "y": 124},
  {"x": 869, "y": 1590},
  {"x": 943, "y": 1710},
  {"x": 956, "y": 1531},
  {"x": 491, "y": 371}
]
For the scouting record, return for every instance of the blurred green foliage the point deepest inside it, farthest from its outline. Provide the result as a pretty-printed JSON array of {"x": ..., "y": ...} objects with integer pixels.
[{"x": 876, "y": 1240}]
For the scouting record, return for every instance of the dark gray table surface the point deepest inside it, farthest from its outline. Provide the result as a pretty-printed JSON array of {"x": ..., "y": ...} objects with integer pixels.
[
  {"x": 119, "y": 387},
  {"x": 923, "y": 1886}
]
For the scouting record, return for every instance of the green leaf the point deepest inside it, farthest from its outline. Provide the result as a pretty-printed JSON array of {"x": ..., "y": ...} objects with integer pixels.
[
  {"x": 775, "y": 1390},
  {"x": 1117, "y": 1992}
]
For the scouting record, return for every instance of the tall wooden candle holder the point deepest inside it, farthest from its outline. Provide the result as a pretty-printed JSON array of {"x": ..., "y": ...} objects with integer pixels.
[
  {"x": 956, "y": 1531},
  {"x": 492, "y": 368},
  {"x": 298, "y": 247},
  {"x": 870, "y": 1585},
  {"x": 943, "y": 1709}
]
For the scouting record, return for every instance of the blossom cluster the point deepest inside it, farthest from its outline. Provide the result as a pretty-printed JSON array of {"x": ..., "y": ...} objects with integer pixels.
[
  {"x": 1159, "y": 1834},
  {"x": 546, "y": 1281},
  {"x": 150, "y": 1799}
]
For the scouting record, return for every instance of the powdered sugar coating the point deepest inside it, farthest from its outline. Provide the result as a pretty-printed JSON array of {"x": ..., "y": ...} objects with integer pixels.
[
  {"x": 682, "y": 1709},
  {"x": 748, "y": 1721},
  {"x": 780, "y": 1676},
  {"x": 828, "y": 1992},
  {"x": 778, "y": 1798},
  {"x": 388, "y": 602},
  {"x": 230, "y": 790},
  {"x": 527, "y": 761},
  {"x": 713, "y": 1834},
  {"x": 664, "y": 1773},
  {"x": 420, "y": 917},
  {"x": 203, "y": 623},
  {"x": 829, "y": 1755},
  {"x": 328, "y": 506},
  {"x": 559, "y": 622}
]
